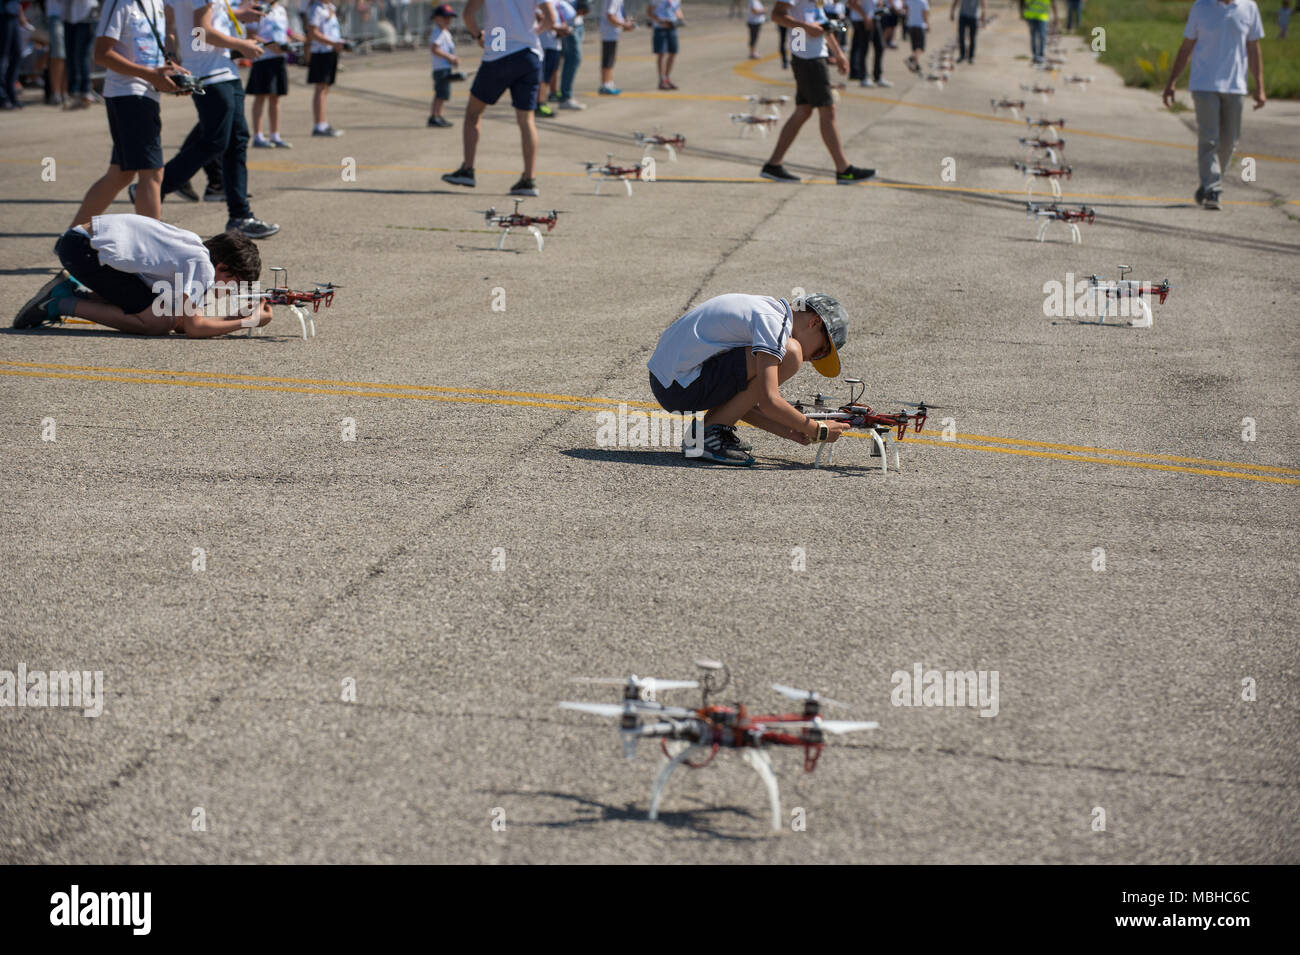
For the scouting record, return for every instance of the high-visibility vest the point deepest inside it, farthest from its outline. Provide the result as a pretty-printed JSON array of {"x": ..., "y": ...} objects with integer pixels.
[{"x": 1037, "y": 9}]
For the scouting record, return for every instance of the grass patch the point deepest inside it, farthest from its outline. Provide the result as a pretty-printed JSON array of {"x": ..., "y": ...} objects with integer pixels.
[{"x": 1142, "y": 37}]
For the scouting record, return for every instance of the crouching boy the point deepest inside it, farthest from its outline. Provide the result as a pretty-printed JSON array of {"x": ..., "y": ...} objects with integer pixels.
[
  {"x": 146, "y": 277},
  {"x": 729, "y": 356}
]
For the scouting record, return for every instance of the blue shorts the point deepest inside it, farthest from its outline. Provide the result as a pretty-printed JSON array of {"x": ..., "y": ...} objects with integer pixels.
[
  {"x": 550, "y": 60},
  {"x": 442, "y": 84},
  {"x": 722, "y": 377},
  {"x": 520, "y": 73},
  {"x": 135, "y": 123},
  {"x": 665, "y": 39}
]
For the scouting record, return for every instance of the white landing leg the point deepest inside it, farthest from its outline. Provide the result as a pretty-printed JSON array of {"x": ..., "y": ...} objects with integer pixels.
[
  {"x": 672, "y": 153},
  {"x": 662, "y": 777},
  {"x": 762, "y": 764},
  {"x": 628, "y": 183},
  {"x": 537, "y": 234},
  {"x": 599, "y": 183},
  {"x": 501, "y": 242},
  {"x": 305, "y": 320},
  {"x": 1042, "y": 229}
]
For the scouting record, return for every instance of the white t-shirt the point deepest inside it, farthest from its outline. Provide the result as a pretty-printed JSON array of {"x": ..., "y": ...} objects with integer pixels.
[
  {"x": 670, "y": 10},
  {"x": 564, "y": 14},
  {"x": 155, "y": 251},
  {"x": 833, "y": 9},
  {"x": 326, "y": 20},
  {"x": 444, "y": 41},
  {"x": 757, "y": 12},
  {"x": 814, "y": 47},
  {"x": 916, "y": 10},
  {"x": 508, "y": 27},
  {"x": 1221, "y": 32},
  {"x": 274, "y": 28},
  {"x": 78, "y": 11},
  {"x": 206, "y": 58},
  {"x": 126, "y": 22},
  {"x": 607, "y": 30},
  {"x": 721, "y": 324}
]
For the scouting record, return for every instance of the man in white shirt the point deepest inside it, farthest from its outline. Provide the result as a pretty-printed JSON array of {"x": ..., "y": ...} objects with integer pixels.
[
  {"x": 1221, "y": 40},
  {"x": 512, "y": 60}
]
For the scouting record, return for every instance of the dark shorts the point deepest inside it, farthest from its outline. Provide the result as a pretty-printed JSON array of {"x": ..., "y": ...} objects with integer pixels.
[
  {"x": 918, "y": 38},
  {"x": 322, "y": 68},
  {"x": 665, "y": 40},
  {"x": 550, "y": 61},
  {"x": 520, "y": 73},
  {"x": 268, "y": 77},
  {"x": 128, "y": 292},
  {"x": 135, "y": 123},
  {"x": 608, "y": 50},
  {"x": 722, "y": 377},
  {"x": 812, "y": 82},
  {"x": 889, "y": 20},
  {"x": 442, "y": 84}
]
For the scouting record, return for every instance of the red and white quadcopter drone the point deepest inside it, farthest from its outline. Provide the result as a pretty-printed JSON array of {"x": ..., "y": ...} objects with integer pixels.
[
  {"x": 1040, "y": 91},
  {"x": 1014, "y": 105},
  {"x": 609, "y": 170},
  {"x": 520, "y": 220},
  {"x": 773, "y": 103},
  {"x": 698, "y": 734},
  {"x": 861, "y": 417},
  {"x": 277, "y": 294},
  {"x": 657, "y": 140},
  {"x": 1070, "y": 217},
  {"x": 748, "y": 121},
  {"x": 1136, "y": 292},
  {"x": 1052, "y": 127},
  {"x": 1039, "y": 149},
  {"x": 1053, "y": 174}
]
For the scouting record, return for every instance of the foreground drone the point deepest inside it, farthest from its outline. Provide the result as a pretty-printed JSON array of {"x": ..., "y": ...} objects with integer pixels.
[
  {"x": 281, "y": 294},
  {"x": 1136, "y": 292},
  {"x": 698, "y": 734},
  {"x": 603, "y": 172},
  {"x": 1054, "y": 213},
  {"x": 861, "y": 417},
  {"x": 657, "y": 140},
  {"x": 520, "y": 220}
]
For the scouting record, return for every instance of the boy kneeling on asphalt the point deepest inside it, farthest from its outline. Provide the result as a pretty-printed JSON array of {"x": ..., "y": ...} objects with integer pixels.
[
  {"x": 114, "y": 265},
  {"x": 729, "y": 356}
]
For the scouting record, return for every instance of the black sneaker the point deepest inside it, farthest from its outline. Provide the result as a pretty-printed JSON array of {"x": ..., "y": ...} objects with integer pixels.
[
  {"x": 1212, "y": 200},
  {"x": 252, "y": 227},
  {"x": 853, "y": 174},
  {"x": 186, "y": 191},
  {"x": 733, "y": 440},
  {"x": 716, "y": 449},
  {"x": 37, "y": 310},
  {"x": 461, "y": 177},
  {"x": 1200, "y": 195},
  {"x": 130, "y": 193},
  {"x": 777, "y": 173},
  {"x": 214, "y": 194},
  {"x": 524, "y": 187}
]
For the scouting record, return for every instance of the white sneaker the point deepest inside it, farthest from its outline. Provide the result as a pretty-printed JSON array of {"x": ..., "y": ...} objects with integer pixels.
[
  {"x": 572, "y": 103},
  {"x": 883, "y": 82},
  {"x": 867, "y": 83}
]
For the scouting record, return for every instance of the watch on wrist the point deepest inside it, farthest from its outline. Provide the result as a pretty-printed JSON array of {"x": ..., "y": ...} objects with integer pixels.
[{"x": 823, "y": 432}]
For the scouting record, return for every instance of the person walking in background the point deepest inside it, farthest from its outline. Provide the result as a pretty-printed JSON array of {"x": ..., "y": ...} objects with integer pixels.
[
  {"x": 973, "y": 13},
  {"x": 666, "y": 15},
  {"x": 55, "y": 89},
  {"x": 12, "y": 20},
  {"x": 612, "y": 23},
  {"x": 1283, "y": 19},
  {"x": 1073, "y": 14},
  {"x": 757, "y": 14},
  {"x": 571, "y": 50},
  {"x": 1037, "y": 13},
  {"x": 79, "y": 21},
  {"x": 1221, "y": 40}
]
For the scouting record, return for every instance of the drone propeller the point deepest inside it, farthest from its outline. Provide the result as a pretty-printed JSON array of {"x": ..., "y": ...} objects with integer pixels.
[
  {"x": 791, "y": 693},
  {"x": 638, "y": 706},
  {"x": 599, "y": 709},
  {"x": 918, "y": 404},
  {"x": 846, "y": 726},
  {"x": 641, "y": 683}
]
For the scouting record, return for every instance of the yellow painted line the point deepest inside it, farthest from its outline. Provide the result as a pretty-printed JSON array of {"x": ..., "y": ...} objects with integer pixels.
[
  {"x": 579, "y": 403},
  {"x": 746, "y": 70}
]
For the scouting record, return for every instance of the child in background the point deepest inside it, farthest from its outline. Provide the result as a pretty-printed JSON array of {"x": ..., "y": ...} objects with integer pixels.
[
  {"x": 918, "y": 21},
  {"x": 571, "y": 51},
  {"x": 551, "y": 39},
  {"x": 1284, "y": 19},
  {"x": 269, "y": 78},
  {"x": 442, "y": 47},
  {"x": 326, "y": 43},
  {"x": 612, "y": 23},
  {"x": 666, "y": 15},
  {"x": 757, "y": 14}
]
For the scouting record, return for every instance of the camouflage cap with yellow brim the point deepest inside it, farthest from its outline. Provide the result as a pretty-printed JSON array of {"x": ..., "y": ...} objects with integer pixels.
[{"x": 836, "y": 322}]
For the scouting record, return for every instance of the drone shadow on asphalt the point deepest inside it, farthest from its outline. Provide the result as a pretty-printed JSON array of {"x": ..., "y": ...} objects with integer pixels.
[
  {"x": 658, "y": 457},
  {"x": 595, "y": 812}
]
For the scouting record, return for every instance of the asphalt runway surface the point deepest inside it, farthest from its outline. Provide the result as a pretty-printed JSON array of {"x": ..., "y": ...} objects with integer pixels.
[{"x": 1095, "y": 530}]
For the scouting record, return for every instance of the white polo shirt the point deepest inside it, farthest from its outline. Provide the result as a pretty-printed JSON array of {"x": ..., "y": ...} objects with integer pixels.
[
  {"x": 273, "y": 28},
  {"x": 155, "y": 251},
  {"x": 205, "y": 58},
  {"x": 608, "y": 31},
  {"x": 128, "y": 24},
  {"x": 721, "y": 324},
  {"x": 916, "y": 10},
  {"x": 814, "y": 48},
  {"x": 325, "y": 18},
  {"x": 1221, "y": 31},
  {"x": 757, "y": 12}
]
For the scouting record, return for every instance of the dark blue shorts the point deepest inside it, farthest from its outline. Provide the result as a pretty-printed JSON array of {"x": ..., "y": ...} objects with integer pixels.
[
  {"x": 550, "y": 60},
  {"x": 442, "y": 84},
  {"x": 722, "y": 377},
  {"x": 128, "y": 292},
  {"x": 520, "y": 73},
  {"x": 135, "y": 123},
  {"x": 665, "y": 39}
]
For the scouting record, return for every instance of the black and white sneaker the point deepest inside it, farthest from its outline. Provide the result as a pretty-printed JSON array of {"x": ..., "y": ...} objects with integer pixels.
[
  {"x": 720, "y": 447},
  {"x": 461, "y": 177},
  {"x": 37, "y": 310},
  {"x": 524, "y": 187},
  {"x": 1212, "y": 200},
  {"x": 733, "y": 440},
  {"x": 130, "y": 193},
  {"x": 252, "y": 227},
  {"x": 1200, "y": 195},
  {"x": 214, "y": 194},
  {"x": 326, "y": 130},
  {"x": 186, "y": 192},
  {"x": 852, "y": 175},
  {"x": 777, "y": 173}
]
